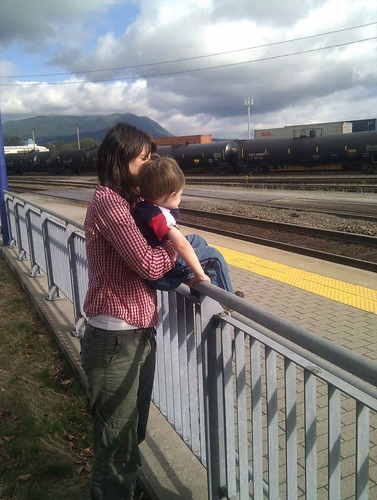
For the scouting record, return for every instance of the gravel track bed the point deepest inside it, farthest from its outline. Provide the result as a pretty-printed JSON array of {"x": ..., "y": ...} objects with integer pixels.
[{"x": 288, "y": 216}]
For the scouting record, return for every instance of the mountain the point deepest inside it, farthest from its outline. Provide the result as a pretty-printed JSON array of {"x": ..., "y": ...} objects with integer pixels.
[{"x": 64, "y": 128}]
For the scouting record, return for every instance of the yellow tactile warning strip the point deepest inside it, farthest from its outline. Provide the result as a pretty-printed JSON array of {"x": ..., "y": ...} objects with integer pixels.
[{"x": 346, "y": 293}]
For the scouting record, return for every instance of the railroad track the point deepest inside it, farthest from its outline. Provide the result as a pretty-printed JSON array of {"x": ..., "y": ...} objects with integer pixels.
[
  {"x": 30, "y": 183},
  {"x": 349, "y": 249},
  {"x": 353, "y": 250},
  {"x": 348, "y": 183},
  {"x": 299, "y": 186},
  {"x": 345, "y": 182}
]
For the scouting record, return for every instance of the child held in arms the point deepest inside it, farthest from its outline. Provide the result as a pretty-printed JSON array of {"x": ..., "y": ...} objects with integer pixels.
[{"x": 161, "y": 183}]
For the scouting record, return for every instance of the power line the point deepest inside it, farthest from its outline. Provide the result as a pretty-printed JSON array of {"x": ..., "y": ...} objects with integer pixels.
[
  {"x": 146, "y": 77},
  {"x": 194, "y": 57}
]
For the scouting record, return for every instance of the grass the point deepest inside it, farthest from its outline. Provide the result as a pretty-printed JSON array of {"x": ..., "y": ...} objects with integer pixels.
[{"x": 45, "y": 429}]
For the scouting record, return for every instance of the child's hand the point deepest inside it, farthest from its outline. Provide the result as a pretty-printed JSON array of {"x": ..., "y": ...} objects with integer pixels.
[{"x": 197, "y": 278}]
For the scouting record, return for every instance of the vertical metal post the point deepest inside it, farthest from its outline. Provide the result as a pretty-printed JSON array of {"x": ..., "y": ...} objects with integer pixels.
[
  {"x": 3, "y": 186},
  {"x": 248, "y": 102},
  {"x": 213, "y": 398}
]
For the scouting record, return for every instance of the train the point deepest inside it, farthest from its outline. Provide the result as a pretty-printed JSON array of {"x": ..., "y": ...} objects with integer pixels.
[
  {"x": 356, "y": 152},
  {"x": 64, "y": 162}
]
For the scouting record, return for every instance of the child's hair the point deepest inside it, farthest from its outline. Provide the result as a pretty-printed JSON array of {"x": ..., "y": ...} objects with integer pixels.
[{"x": 159, "y": 176}]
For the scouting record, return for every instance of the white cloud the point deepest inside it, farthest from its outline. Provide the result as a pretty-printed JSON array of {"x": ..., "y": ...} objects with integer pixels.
[{"x": 322, "y": 85}]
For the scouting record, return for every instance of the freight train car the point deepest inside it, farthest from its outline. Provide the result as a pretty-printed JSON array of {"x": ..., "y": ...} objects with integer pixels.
[
  {"x": 64, "y": 162},
  {"x": 214, "y": 157},
  {"x": 20, "y": 163},
  {"x": 342, "y": 152},
  {"x": 69, "y": 161}
]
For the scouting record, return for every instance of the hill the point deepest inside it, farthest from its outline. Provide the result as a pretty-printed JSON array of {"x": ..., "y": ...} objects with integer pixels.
[{"x": 64, "y": 128}]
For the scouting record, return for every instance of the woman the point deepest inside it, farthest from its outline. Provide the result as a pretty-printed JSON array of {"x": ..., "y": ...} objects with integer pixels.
[{"x": 118, "y": 348}]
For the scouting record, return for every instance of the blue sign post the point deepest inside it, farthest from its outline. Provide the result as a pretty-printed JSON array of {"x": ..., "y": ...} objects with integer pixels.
[{"x": 3, "y": 185}]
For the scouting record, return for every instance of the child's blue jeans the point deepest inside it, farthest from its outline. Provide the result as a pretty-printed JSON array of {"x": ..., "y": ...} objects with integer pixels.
[{"x": 212, "y": 261}]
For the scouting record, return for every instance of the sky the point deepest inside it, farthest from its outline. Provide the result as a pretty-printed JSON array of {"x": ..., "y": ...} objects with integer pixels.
[{"x": 191, "y": 64}]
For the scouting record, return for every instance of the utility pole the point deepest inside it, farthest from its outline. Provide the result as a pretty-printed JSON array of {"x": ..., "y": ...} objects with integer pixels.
[
  {"x": 78, "y": 136},
  {"x": 248, "y": 102}
]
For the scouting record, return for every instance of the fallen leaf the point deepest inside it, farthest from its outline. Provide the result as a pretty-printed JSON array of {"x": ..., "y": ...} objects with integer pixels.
[
  {"x": 66, "y": 383},
  {"x": 86, "y": 452},
  {"x": 5, "y": 439},
  {"x": 79, "y": 470},
  {"x": 25, "y": 477}
]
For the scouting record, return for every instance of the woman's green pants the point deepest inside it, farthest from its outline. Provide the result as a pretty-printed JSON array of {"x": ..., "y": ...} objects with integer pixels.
[{"x": 119, "y": 366}]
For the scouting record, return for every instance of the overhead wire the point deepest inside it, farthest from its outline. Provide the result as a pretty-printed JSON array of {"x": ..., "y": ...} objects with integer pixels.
[{"x": 178, "y": 72}]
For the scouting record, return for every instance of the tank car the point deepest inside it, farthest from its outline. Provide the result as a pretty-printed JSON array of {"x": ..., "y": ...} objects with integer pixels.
[
  {"x": 91, "y": 160},
  {"x": 68, "y": 161},
  {"x": 342, "y": 152},
  {"x": 350, "y": 152},
  {"x": 43, "y": 161},
  {"x": 14, "y": 163},
  {"x": 73, "y": 160},
  {"x": 21, "y": 163},
  {"x": 216, "y": 157}
]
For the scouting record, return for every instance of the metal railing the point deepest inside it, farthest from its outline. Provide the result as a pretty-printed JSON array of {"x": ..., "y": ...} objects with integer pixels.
[{"x": 270, "y": 409}]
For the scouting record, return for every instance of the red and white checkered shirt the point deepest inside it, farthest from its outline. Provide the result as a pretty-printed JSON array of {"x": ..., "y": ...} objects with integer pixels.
[{"x": 120, "y": 261}]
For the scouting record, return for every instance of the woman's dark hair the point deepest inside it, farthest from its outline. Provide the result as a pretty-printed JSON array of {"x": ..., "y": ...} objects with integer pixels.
[{"x": 122, "y": 144}]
